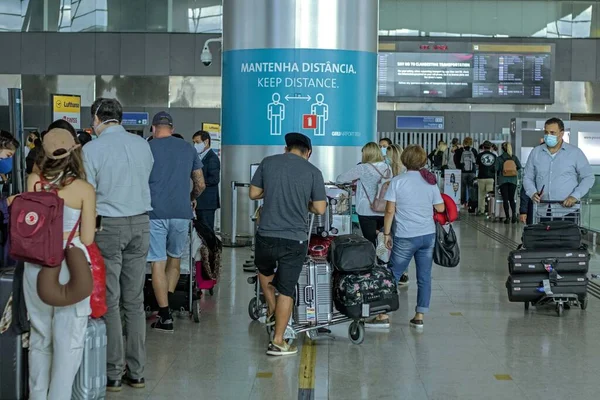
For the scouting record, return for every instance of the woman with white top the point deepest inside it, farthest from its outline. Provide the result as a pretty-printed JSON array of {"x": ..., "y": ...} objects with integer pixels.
[
  {"x": 58, "y": 333},
  {"x": 394, "y": 159},
  {"x": 368, "y": 174},
  {"x": 411, "y": 199}
]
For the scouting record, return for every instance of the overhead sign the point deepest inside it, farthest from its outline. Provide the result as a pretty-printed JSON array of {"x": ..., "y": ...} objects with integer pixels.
[
  {"x": 589, "y": 143},
  {"x": 426, "y": 122},
  {"x": 135, "y": 118},
  {"x": 269, "y": 92},
  {"x": 67, "y": 107}
]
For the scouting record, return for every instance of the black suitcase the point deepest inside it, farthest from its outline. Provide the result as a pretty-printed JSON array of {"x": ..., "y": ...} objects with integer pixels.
[
  {"x": 552, "y": 235},
  {"x": 534, "y": 261},
  {"x": 180, "y": 298},
  {"x": 523, "y": 288},
  {"x": 361, "y": 295},
  {"x": 351, "y": 253},
  {"x": 13, "y": 357}
]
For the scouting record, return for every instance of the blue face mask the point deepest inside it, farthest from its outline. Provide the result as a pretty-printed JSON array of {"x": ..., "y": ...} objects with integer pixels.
[
  {"x": 551, "y": 140},
  {"x": 384, "y": 151},
  {"x": 6, "y": 165}
]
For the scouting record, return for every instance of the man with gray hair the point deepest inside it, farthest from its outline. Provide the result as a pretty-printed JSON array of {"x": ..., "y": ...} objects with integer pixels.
[{"x": 118, "y": 166}]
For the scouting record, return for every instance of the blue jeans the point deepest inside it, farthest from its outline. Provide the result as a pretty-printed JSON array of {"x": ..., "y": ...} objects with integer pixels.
[{"x": 421, "y": 248}]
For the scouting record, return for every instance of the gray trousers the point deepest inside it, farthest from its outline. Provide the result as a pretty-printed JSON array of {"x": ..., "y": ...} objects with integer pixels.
[{"x": 124, "y": 245}]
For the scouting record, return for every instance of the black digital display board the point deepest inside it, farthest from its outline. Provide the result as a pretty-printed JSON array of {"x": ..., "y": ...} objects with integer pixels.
[{"x": 488, "y": 74}]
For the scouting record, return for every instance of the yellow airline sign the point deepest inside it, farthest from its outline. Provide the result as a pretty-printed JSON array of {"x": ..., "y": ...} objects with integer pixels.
[
  {"x": 66, "y": 104},
  {"x": 208, "y": 127}
]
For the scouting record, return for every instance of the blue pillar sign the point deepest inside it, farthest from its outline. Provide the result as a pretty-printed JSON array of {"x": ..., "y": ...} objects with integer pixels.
[{"x": 328, "y": 95}]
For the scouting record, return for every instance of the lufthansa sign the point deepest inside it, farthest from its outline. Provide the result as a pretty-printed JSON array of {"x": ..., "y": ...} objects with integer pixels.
[{"x": 67, "y": 107}]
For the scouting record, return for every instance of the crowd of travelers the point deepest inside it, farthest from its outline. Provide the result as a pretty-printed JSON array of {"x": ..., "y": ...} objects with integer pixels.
[{"x": 135, "y": 198}]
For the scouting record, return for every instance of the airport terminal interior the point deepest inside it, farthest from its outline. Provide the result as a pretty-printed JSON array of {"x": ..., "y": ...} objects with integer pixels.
[
  {"x": 476, "y": 344},
  {"x": 344, "y": 73}
]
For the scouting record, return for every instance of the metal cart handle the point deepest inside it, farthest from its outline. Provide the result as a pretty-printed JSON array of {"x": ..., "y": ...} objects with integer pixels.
[{"x": 555, "y": 202}]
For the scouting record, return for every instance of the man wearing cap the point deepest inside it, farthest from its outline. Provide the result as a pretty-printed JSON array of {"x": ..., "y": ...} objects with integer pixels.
[
  {"x": 118, "y": 166},
  {"x": 175, "y": 162},
  {"x": 486, "y": 166},
  {"x": 290, "y": 187}
]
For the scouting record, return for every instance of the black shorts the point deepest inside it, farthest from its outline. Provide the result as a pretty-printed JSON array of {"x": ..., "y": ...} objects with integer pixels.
[{"x": 285, "y": 255}]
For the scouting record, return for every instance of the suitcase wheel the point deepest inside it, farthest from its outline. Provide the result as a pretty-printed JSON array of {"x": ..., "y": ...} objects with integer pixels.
[
  {"x": 356, "y": 332},
  {"x": 560, "y": 308},
  {"x": 526, "y": 305},
  {"x": 211, "y": 292},
  {"x": 196, "y": 311},
  {"x": 584, "y": 303}
]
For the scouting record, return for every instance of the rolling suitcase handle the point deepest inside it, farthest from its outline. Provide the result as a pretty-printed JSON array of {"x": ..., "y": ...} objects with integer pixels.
[{"x": 308, "y": 294}]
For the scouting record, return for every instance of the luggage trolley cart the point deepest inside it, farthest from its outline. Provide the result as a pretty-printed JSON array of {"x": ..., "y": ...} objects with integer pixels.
[
  {"x": 543, "y": 212},
  {"x": 337, "y": 219},
  {"x": 356, "y": 329},
  {"x": 257, "y": 307}
]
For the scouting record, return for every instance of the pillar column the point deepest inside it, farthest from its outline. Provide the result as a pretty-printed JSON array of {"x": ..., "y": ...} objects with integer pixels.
[{"x": 307, "y": 66}]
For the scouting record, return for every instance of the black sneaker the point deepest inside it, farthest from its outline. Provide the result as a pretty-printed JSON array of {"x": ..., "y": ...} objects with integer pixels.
[
  {"x": 163, "y": 325},
  {"x": 403, "y": 280},
  {"x": 113, "y": 385},
  {"x": 137, "y": 383},
  {"x": 514, "y": 220},
  {"x": 507, "y": 221},
  {"x": 416, "y": 323},
  {"x": 285, "y": 349}
]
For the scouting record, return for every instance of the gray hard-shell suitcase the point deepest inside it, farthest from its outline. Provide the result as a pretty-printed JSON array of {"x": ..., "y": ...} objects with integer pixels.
[
  {"x": 314, "y": 293},
  {"x": 535, "y": 261},
  {"x": 90, "y": 381},
  {"x": 13, "y": 357}
]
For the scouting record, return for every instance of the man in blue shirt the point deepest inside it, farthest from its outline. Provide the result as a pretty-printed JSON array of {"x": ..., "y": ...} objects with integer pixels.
[
  {"x": 557, "y": 171},
  {"x": 118, "y": 166},
  {"x": 175, "y": 162}
]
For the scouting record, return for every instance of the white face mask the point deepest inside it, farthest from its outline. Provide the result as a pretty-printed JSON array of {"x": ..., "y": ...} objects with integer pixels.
[{"x": 199, "y": 147}]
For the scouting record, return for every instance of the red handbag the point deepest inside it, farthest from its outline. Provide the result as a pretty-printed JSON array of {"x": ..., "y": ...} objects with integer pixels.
[{"x": 98, "y": 297}]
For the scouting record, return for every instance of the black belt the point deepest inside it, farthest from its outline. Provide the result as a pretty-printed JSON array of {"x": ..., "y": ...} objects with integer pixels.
[{"x": 129, "y": 216}]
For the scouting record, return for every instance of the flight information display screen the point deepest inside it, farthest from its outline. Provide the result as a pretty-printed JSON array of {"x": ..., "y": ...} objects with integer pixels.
[{"x": 488, "y": 74}]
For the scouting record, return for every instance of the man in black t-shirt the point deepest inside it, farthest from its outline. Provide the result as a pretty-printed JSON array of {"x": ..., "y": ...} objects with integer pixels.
[
  {"x": 290, "y": 187},
  {"x": 486, "y": 165}
]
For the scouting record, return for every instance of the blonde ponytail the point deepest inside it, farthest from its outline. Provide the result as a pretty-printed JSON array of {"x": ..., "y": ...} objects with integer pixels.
[{"x": 508, "y": 148}]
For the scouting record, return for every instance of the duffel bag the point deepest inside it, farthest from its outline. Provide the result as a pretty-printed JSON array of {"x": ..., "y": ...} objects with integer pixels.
[
  {"x": 552, "y": 235},
  {"x": 351, "y": 253},
  {"x": 361, "y": 295}
]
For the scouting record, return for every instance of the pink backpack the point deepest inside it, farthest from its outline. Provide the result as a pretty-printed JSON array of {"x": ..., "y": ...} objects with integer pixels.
[
  {"x": 379, "y": 202},
  {"x": 36, "y": 227}
]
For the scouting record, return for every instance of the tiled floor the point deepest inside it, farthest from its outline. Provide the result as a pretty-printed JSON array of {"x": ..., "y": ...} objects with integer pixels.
[{"x": 476, "y": 345}]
